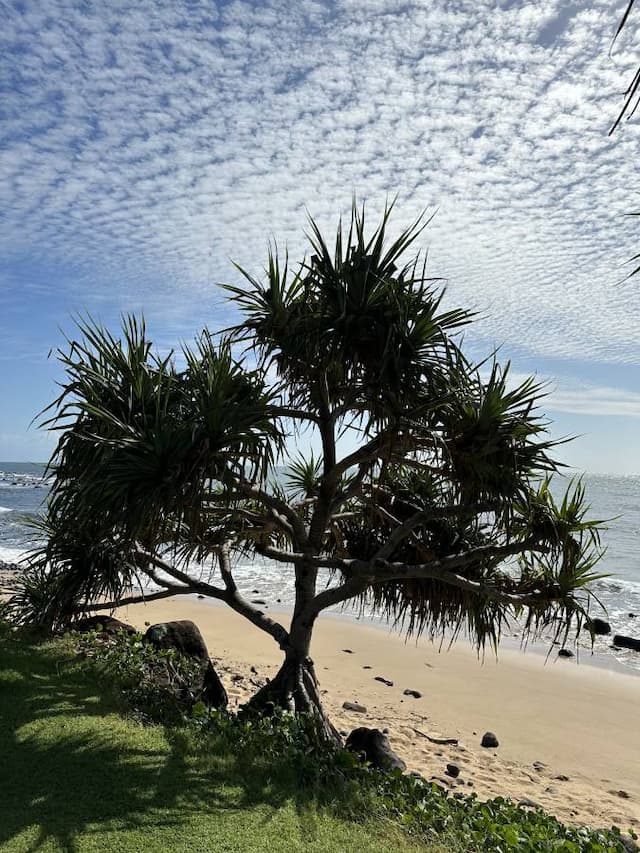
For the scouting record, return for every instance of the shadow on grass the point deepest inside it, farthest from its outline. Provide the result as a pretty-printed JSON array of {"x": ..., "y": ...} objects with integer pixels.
[{"x": 68, "y": 773}]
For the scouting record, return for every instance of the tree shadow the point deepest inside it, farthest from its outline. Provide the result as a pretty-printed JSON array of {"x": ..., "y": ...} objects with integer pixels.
[{"x": 63, "y": 775}]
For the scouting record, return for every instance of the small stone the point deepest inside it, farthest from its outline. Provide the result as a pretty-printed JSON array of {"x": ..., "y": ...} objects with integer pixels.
[
  {"x": 415, "y": 693},
  {"x": 348, "y": 651},
  {"x": 354, "y": 706},
  {"x": 383, "y": 680},
  {"x": 632, "y": 616},
  {"x": 255, "y": 592},
  {"x": 385, "y": 731},
  {"x": 625, "y": 795},
  {"x": 458, "y": 795},
  {"x": 453, "y": 770},
  {"x": 254, "y": 670},
  {"x": 489, "y": 740},
  {"x": 539, "y": 765},
  {"x": 469, "y": 783},
  {"x": 528, "y": 803},
  {"x": 565, "y": 653},
  {"x": 367, "y": 667},
  {"x": 561, "y": 777},
  {"x": 201, "y": 597},
  {"x": 258, "y": 601}
]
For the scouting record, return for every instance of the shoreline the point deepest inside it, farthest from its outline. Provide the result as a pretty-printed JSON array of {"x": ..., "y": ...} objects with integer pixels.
[{"x": 568, "y": 733}]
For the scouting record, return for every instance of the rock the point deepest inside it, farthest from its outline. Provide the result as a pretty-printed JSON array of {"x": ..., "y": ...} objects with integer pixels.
[
  {"x": 383, "y": 680},
  {"x": 529, "y": 803},
  {"x": 213, "y": 693},
  {"x": 201, "y": 596},
  {"x": 626, "y": 642},
  {"x": 354, "y": 706},
  {"x": 376, "y": 748},
  {"x": 348, "y": 651},
  {"x": 254, "y": 670},
  {"x": 539, "y": 765},
  {"x": 599, "y": 626},
  {"x": 105, "y": 624},
  {"x": 367, "y": 667},
  {"x": 629, "y": 844},
  {"x": 625, "y": 795},
  {"x": 565, "y": 653},
  {"x": 453, "y": 770},
  {"x": 561, "y": 777},
  {"x": 183, "y": 635},
  {"x": 489, "y": 741},
  {"x": 632, "y": 616},
  {"x": 415, "y": 693}
]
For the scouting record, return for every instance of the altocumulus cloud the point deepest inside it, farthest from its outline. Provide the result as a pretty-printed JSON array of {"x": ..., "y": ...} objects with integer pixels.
[{"x": 144, "y": 144}]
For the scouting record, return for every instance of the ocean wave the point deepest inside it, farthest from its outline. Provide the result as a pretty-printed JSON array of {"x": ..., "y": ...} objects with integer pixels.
[{"x": 5, "y": 509}]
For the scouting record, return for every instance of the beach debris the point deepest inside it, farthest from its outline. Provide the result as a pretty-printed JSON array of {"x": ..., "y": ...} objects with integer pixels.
[
  {"x": 489, "y": 741},
  {"x": 623, "y": 642},
  {"x": 440, "y": 740},
  {"x": 348, "y": 651},
  {"x": 528, "y": 803},
  {"x": 415, "y": 693},
  {"x": 453, "y": 770},
  {"x": 383, "y": 680},
  {"x": 599, "y": 626},
  {"x": 354, "y": 706},
  {"x": 375, "y": 747},
  {"x": 565, "y": 653},
  {"x": 539, "y": 765}
]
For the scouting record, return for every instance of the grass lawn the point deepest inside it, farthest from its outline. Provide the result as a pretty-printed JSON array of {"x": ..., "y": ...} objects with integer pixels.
[{"x": 75, "y": 776}]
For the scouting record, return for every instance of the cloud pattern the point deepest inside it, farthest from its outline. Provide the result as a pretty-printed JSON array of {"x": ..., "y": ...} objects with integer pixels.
[{"x": 143, "y": 145}]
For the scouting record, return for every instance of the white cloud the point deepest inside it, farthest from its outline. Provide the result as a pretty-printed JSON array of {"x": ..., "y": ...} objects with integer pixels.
[{"x": 144, "y": 144}]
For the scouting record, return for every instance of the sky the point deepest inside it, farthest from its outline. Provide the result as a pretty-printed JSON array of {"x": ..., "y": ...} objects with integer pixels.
[{"x": 144, "y": 146}]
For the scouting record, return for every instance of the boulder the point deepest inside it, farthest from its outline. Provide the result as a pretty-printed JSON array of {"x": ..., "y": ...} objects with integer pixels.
[
  {"x": 565, "y": 653},
  {"x": 453, "y": 770},
  {"x": 105, "y": 624},
  {"x": 375, "y": 747},
  {"x": 184, "y": 636},
  {"x": 489, "y": 741},
  {"x": 599, "y": 626},
  {"x": 623, "y": 642},
  {"x": 354, "y": 706}
]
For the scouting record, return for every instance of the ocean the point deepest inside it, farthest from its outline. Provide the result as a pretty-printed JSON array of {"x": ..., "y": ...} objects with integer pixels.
[{"x": 23, "y": 489}]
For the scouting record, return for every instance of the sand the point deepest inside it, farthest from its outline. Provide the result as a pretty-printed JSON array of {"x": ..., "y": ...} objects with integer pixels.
[{"x": 578, "y": 723}]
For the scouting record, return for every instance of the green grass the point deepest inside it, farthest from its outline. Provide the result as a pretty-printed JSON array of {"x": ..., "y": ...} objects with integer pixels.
[{"x": 77, "y": 777}]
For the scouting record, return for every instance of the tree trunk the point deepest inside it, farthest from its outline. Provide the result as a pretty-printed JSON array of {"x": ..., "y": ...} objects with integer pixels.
[{"x": 295, "y": 688}]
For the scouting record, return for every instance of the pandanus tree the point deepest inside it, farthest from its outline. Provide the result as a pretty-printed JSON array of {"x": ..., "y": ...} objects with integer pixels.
[{"x": 428, "y": 500}]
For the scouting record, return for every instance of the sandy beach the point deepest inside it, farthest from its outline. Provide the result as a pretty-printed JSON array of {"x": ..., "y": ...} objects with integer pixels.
[{"x": 568, "y": 732}]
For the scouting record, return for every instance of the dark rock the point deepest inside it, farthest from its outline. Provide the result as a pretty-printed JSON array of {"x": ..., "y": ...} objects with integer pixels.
[
  {"x": 213, "y": 693},
  {"x": 632, "y": 616},
  {"x": 383, "y": 680},
  {"x": 626, "y": 642},
  {"x": 539, "y": 765},
  {"x": 376, "y": 748},
  {"x": 489, "y": 740},
  {"x": 105, "y": 624},
  {"x": 565, "y": 653},
  {"x": 201, "y": 597},
  {"x": 348, "y": 651},
  {"x": 354, "y": 706},
  {"x": 625, "y": 795},
  {"x": 599, "y": 626},
  {"x": 453, "y": 770},
  {"x": 184, "y": 636},
  {"x": 415, "y": 693},
  {"x": 367, "y": 667},
  {"x": 561, "y": 777},
  {"x": 529, "y": 803},
  {"x": 258, "y": 601}
]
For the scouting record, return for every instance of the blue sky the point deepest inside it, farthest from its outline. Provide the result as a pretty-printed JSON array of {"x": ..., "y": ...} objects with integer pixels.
[{"x": 144, "y": 145}]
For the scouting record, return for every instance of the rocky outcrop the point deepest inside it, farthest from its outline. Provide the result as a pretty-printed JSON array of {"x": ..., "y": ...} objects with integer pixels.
[{"x": 599, "y": 626}]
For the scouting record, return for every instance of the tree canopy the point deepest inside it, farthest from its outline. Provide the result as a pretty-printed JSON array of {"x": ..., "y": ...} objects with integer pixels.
[{"x": 430, "y": 499}]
